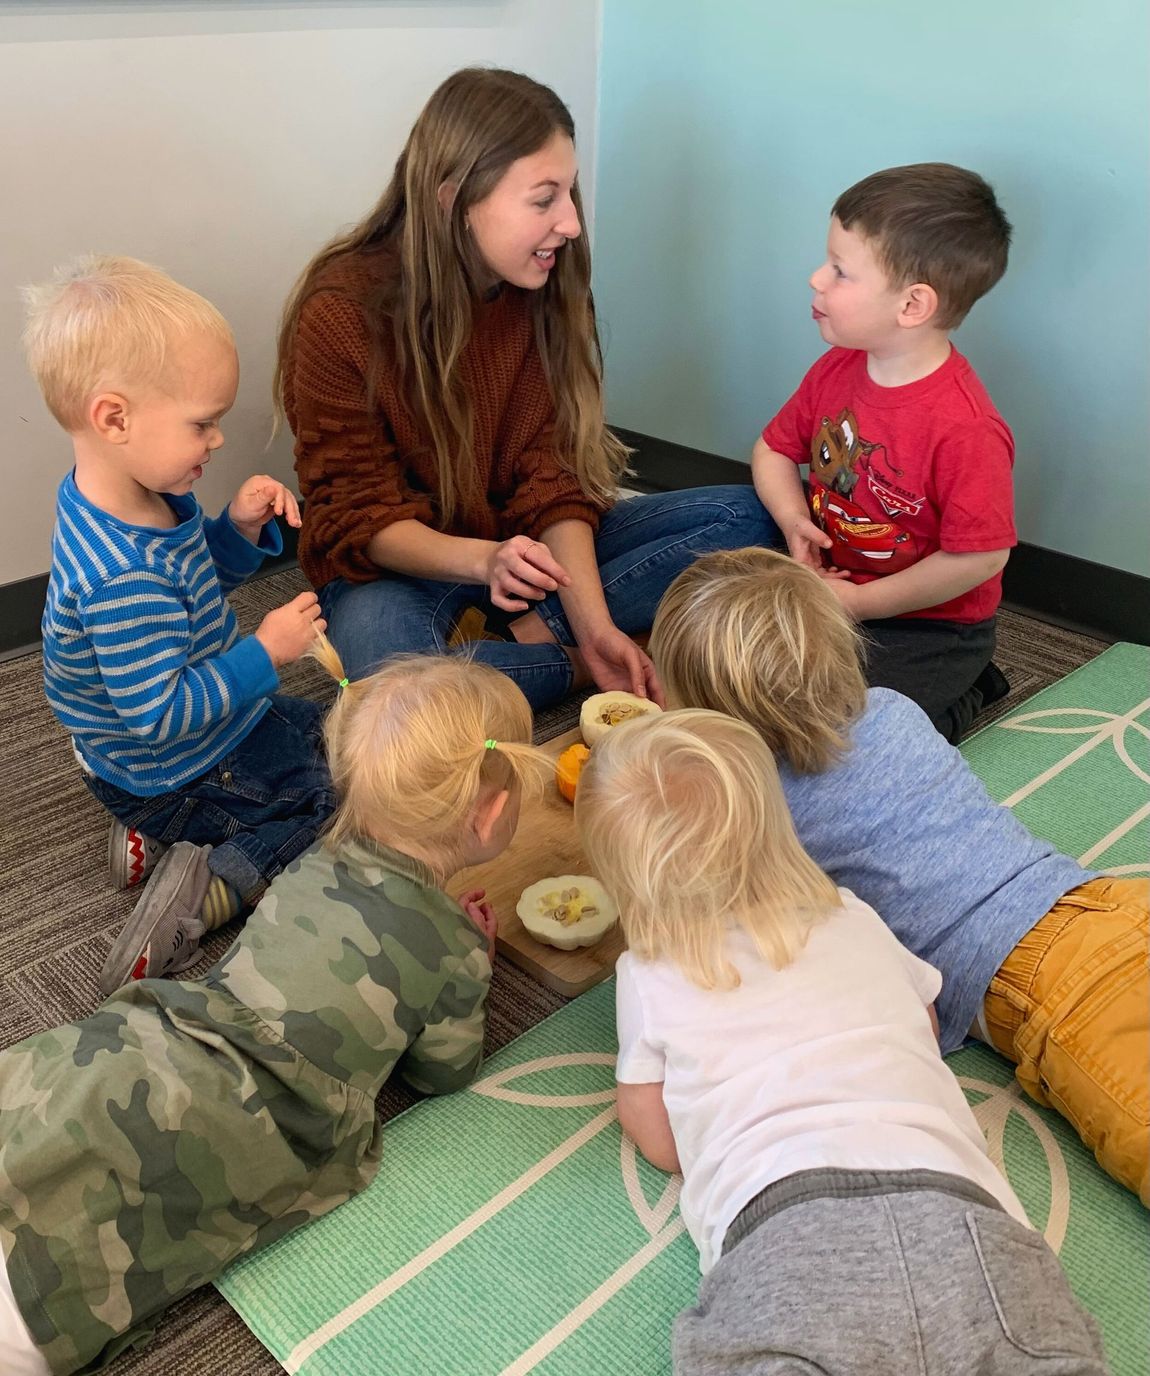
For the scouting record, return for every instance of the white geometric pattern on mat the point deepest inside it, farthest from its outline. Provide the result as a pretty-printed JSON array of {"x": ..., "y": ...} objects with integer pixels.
[
  {"x": 660, "y": 1220},
  {"x": 1098, "y": 727},
  {"x": 660, "y": 1227},
  {"x": 1021, "y": 1140},
  {"x": 662, "y": 1230},
  {"x": 992, "y": 1114}
]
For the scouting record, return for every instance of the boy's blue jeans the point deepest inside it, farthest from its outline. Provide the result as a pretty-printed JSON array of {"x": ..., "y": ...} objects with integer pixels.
[
  {"x": 642, "y": 544},
  {"x": 262, "y": 805}
]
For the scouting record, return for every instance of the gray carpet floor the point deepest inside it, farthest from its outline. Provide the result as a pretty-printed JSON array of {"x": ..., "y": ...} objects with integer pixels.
[{"x": 58, "y": 915}]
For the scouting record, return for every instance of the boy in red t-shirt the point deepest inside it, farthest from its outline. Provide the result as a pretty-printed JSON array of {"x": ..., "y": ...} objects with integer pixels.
[{"x": 910, "y": 500}]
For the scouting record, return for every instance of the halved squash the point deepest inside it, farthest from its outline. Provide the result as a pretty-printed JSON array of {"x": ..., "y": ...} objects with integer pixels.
[
  {"x": 567, "y": 911},
  {"x": 568, "y": 767},
  {"x": 602, "y": 711}
]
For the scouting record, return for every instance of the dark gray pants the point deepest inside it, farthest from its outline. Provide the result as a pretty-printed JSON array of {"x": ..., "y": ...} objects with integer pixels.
[
  {"x": 934, "y": 663},
  {"x": 856, "y": 1273}
]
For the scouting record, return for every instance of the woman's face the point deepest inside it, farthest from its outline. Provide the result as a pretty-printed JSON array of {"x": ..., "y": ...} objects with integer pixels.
[{"x": 523, "y": 224}]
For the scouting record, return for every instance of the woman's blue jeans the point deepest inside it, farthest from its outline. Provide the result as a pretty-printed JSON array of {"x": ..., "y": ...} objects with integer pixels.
[{"x": 643, "y": 543}]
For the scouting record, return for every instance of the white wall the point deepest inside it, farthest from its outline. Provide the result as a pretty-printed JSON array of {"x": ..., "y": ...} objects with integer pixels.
[{"x": 225, "y": 141}]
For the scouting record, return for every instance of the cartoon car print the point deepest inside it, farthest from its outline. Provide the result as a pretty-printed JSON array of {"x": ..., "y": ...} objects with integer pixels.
[
  {"x": 861, "y": 544},
  {"x": 835, "y": 453}
]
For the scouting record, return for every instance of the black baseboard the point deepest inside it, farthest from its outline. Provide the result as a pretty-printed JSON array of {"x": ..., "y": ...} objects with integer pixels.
[
  {"x": 22, "y": 602},
  {"x": 1101, "y": 601},
  {"x": 21, "y": 607},
  {"x": 1094, "y": 598}
]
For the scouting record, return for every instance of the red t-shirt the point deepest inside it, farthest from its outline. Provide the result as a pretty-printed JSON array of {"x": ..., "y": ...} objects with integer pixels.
[{"x": 899, "y": 472}]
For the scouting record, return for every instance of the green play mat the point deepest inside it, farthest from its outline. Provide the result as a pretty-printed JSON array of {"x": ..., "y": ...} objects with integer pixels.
[{"x": 512, "y": 1228}]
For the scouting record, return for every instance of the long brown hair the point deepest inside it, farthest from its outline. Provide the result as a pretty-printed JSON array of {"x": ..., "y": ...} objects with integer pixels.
[{"x": 473, "y": 128}]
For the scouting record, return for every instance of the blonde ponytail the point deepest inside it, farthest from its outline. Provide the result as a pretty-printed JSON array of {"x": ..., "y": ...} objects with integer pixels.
[{"x": 412, "y": 747}]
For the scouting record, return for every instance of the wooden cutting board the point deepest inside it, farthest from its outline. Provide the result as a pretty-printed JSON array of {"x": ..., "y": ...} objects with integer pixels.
[{"x": 545, "y": 844}]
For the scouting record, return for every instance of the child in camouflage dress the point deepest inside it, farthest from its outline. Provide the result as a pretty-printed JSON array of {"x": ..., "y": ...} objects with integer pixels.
[{"x": 184, "y": 1124}]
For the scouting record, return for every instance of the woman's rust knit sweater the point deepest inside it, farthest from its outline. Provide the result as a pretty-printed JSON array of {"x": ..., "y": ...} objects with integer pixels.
[{"x": 363, "y": 466}]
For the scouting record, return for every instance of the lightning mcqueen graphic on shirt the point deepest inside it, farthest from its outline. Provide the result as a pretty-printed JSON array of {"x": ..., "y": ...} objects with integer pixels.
[{"x": 861, "y": 544}]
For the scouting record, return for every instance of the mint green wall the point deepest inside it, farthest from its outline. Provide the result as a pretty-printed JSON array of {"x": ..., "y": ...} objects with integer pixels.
[{"x": 726, "y": 129}]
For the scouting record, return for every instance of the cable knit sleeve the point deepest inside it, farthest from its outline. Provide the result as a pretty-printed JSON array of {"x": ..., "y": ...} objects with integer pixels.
[
  {"x": 352, "y": 477},
  {"x": 547, "y": 493},
  {"x": 544, "y": 491}
]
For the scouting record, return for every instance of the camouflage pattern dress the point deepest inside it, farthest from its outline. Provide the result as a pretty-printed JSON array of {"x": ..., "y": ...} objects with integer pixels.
[{"x": 186, "y": 1123}]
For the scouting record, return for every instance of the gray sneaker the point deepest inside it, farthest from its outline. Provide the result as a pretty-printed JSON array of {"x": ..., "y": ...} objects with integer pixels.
[
  {"x": 132, "y": 856},
  {"x": 162, "y": 936}
]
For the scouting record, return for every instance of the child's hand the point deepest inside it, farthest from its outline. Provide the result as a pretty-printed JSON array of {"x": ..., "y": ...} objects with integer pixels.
[
  {"x": 846, "y": 592},
  {"x": 289, "y": 631},
  {"x": 258, "y": 501},
  {"x": 482, "y": 915},
  {"x": 804, "y": 540}
]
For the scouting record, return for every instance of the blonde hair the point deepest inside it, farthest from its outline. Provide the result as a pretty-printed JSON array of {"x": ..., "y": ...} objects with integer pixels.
[
  {"x": 408, "y": 747},
  {"x": 103, "y": 322},
  {"x": 474, "y": 126},
  {"x": 683, "y": 820},
  {"x": 752, "y": 633}
]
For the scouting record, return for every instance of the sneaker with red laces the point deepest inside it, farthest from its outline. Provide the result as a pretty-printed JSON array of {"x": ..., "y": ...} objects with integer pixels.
[
  {"x": 132, "y": 856},
  {"x": 162, "y": 936}
]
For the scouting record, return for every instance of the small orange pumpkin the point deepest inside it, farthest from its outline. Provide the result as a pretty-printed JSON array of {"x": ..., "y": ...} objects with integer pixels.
[{"x": 568, "y": 767}]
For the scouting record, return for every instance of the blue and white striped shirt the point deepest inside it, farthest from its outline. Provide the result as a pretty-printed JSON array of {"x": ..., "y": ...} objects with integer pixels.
[{"x": 143, "y": 660}]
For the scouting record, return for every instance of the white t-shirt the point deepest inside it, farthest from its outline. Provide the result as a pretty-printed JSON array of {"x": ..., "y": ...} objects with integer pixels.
[
  {"x": 831, "y": 1061},
  {"x": 19, "y": 1355}
]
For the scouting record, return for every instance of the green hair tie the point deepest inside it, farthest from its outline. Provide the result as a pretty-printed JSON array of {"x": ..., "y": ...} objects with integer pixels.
[
  {"x": 490, "y": 745},
  {"x": 343, "y": 683}
]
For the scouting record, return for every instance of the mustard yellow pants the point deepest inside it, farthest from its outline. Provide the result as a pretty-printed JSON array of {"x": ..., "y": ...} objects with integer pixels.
[{"x": 1071, "y": 1008}]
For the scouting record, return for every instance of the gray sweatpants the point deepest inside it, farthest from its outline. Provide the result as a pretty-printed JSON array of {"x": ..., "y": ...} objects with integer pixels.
[{"x": 900, "y": 1273}]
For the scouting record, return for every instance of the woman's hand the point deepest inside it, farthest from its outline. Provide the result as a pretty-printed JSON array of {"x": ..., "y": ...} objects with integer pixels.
[
  {"x": 521, "y": 571},
  {"x": 481, "y": 913},
  {"x": 615, "y": 662}
]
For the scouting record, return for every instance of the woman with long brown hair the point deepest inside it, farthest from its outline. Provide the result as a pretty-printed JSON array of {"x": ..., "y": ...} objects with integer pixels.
[{"x": 440, "y": 367}]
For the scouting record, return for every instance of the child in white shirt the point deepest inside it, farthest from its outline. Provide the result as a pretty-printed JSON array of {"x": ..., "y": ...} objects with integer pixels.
[{"x": 778, "y": 1045}]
